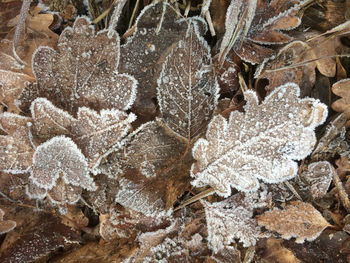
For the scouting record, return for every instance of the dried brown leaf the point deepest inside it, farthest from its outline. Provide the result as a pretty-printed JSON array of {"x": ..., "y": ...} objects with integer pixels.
[
  {"x": 187, "y": 87},
  {"x": 5, "y": 225},
  {"x": 342, "y": 89},
  {"x": 261, "y": 143},
  {"x": 158, "y": 27},
  {"x": 82, "y": 72},
  {"x": 299, "y": 219},
  {"x": 250, "y": 23}
]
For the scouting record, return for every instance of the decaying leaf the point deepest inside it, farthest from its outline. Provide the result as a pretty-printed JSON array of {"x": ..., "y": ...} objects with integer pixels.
[
  {"x": 342, "y": 89},
  {"x": 299, "y": 219},
  {"x": 319, "y": 176},
  {"x": 82, "y": 72},
  {"x": 228, "y": 220},
  {"x": 250, "y": 23},
  {"x": 187, "y": 87},
  {"x": 16, "y": 150},
  {"x": 158, "y": 27},
  {"x": 60, "y": 155},
  {"x": 5, "y": 225},
  {"x": 258, "y": 144}
]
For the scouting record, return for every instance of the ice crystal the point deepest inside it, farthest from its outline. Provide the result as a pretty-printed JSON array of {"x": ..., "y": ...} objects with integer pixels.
[{"x": 261, "y": 143}]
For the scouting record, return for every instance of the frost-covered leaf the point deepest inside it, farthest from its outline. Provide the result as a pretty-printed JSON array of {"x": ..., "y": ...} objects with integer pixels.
[
  {"x": 157, "y": 28},
  {"x": 261, "y": 143},
  {"x": 82, "y": 72},
  {"x": 282, "y": 68},
  {"x": 16, "y": 150},
  {"x": 94, "y": 133},
  {"x": 319, "y": 176},
  {"x": 299, "y": 219},
  {"x": 187, "y": 87},
  {"x": 342, "y": 89},
  {"x": 250, "y": 23},
  {"x": 11, "y": 85},
  {"x": 229, "y": 220},
  {"x": 153, "y": 168},
  {"x": 60, "y": 156},
  {"x": 5, "y": 225}
]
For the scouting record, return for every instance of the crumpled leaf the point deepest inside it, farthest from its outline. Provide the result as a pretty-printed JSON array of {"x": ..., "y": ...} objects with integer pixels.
[
  {"x": 82, "y": 72},
  {"x": 60, "y": 155},
  {"x": 299, "y": 219},
  {"x": 342, "y": 89},
  {"x": 16, "y": 150},
  {"x": 9, "y": 9},
  {"x": 250, "y": 23},
  {"x": 94, "y": 133},
  {"x": 5, "y": 225},
  {"x": 157, "y": 28},
  {"x": 187, "y": 88},
  {"x": 228, "y": 220},
  {"x": 319, "y": 176},
  {"x": 261, "y": 143}
]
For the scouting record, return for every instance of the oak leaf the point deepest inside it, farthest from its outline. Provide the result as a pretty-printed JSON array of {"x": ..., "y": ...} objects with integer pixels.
[
  {"x": 299, "y": 219},
  {"x": 261, "y": 143},
  {"x": 187, "y": 87},
  {"x": 250, "y": 23},
  {"x": 342, "y": 89},
  {"x": 82, "y": 72},
  {"x": 228, "y": 220}
]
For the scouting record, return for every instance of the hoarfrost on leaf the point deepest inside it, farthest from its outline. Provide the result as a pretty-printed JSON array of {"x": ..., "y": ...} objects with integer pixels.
[
  {"x": 299, "y": 219},
  {"x": 16, "y": 150},
  {"x": 187, "y": 88},
  {"x": 319, "y": 176},
  {"x": 228, "y": 220},
  {"x": 60, "y": 155},
  {"x": 83, "y": 72},
  {"x": 250, "y": 23},
  {"x": 261, "y": 143},
  {"x": 157, "y": 27}
]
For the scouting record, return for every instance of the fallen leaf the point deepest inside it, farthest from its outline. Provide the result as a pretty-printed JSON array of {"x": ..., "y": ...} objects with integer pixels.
[
  {"x": 261, "y": 143},
  {"x": 187, "y": 87},
  {"x": 82, "y": 72},
  {"x": 342, "y": 89},
  {"x": 299, "y": 219},
  {"x": 5, "y": 225}
]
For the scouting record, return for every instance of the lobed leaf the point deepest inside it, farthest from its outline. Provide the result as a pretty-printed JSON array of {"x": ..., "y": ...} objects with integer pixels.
[{"x": 261, "y": 143}]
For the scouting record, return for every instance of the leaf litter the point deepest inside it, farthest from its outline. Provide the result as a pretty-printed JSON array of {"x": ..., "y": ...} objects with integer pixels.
[{"x": 72, "y": 148}]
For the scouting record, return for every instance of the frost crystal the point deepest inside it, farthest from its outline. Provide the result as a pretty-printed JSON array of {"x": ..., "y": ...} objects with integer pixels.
[
  {"x": 258, "y": 144},
  {"x": 60, "y": 155},
  {"x": 83, "y": 72},
  {"x": 230, "y": 219},
  {"x": 187, "y": 88}
]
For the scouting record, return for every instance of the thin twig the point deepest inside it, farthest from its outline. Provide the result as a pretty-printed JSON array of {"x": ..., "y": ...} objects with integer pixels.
[
  {"x": 195, "y": 198},
  {"x": 22, "y": 19}
]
